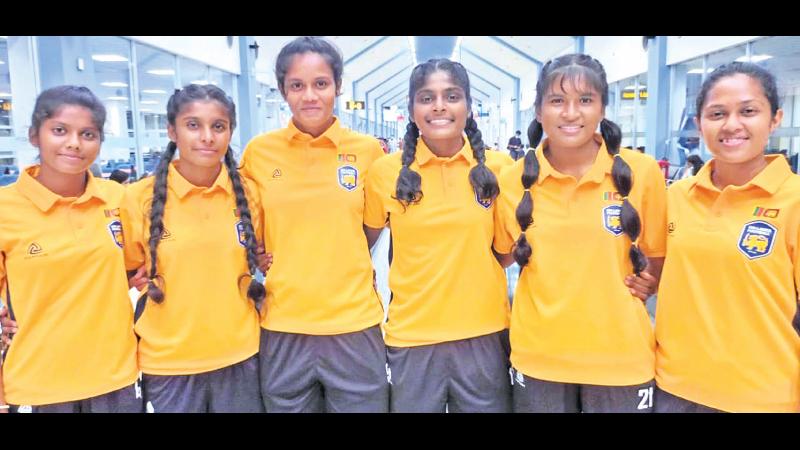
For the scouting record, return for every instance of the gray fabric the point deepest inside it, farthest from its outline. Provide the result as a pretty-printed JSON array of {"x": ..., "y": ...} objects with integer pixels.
[
  {"x": 234, "y": 388},
  {"x": 468, "y": 375},
  {"x": 125, "y": 400},
  {"x": 532, "y": 395},
  {"x": 668, "y": 403},
  {"x": 334, "y": 373}
]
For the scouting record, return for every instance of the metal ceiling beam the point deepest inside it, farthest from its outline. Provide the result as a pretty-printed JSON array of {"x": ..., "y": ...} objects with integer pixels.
[
  {"x": 480, "y": 58},
  {"x": 366, "y": 49},
  {"x": 516, "y": 50}
]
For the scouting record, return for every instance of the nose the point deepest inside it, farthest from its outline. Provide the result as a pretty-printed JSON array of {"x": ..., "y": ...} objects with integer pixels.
[
  {"x": 732, "y": 123},
  {"x": 207, "y": 135},
  {"x": 438, "y": 104},
  {"x": 73, "y": 141},
  {"x": 309, "y": 95},
  {"x": 569, "y": 111}
]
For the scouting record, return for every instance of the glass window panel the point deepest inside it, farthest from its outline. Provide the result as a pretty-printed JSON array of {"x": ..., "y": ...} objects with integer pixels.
[{"x": 156, "y": 82}]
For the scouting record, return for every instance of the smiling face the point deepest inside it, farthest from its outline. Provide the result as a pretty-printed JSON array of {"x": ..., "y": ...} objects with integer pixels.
[
  {"x": 440, "y": 111},
  {"x": 570, "y": 112},
  {"x": 310, "y": 90},
  {"x": 68, "y": 141},
  {"x": 202, "y": 132},
  {"x": 736, "y": 120}
]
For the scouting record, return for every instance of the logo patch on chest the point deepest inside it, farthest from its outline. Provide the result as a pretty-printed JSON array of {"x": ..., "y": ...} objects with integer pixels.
[
  {"x": 347, "y": 177},
  {"x": 757, "y": 239},
  {"x": 115, "y": 228},
  {"x": 612, "y": 219}
]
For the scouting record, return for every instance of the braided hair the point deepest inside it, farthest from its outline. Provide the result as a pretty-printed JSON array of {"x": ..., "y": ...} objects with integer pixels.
[
  {"x": 409, "y": 182},
  {"x": 570, "y": 68},
  {"x": 179, "y": 100}
]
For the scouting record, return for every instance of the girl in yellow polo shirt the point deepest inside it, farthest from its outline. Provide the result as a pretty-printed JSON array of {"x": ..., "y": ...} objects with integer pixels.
[
  {"x": 728, "y": 292},
  {"x": 587, "y": 215},
  {"x": 447, "y": 327},
  {"x": 194, "y": 226},
  {"x": 321, "y": 348},
  {"x": 62, "y": 274}
]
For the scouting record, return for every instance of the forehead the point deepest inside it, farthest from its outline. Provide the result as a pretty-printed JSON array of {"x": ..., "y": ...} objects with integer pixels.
[
  {"x": 210, "y": 109},
  {"x": 567, "y": 84},
  {"x": 73, "y": 114},
  {"x": 309, "y": 64},
  {"x": 439, "y": 80},
  {"x": 738, "y": 85}
]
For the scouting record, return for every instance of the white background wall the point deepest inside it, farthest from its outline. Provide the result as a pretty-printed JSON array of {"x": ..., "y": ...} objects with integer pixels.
[
  {"x": 682, "y": 48},
  {"x": 622, "y": 56},
  {"x": 211, "y": 50}
]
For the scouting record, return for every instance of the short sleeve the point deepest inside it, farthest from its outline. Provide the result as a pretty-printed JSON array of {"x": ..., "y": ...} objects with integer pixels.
[
  {"x": 653, "y": 214},
  {"x": 132, "y": 218},
  {"x": 506, "y": 228},
  {"x": 375, "y": 214}
]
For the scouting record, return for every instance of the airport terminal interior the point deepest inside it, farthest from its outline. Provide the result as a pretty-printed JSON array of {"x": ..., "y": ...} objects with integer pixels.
[{"x": 653, "y": 82}]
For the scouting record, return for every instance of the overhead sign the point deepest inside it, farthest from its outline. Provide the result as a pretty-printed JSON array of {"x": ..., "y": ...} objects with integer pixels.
[
  {"x": 629, "y": 94},
  {"x": 355, "y": 104}
]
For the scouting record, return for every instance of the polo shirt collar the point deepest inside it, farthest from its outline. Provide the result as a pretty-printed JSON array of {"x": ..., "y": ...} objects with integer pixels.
[
  {"x": 44, "y": 199},
  {"x": 769, "y": 180},
  {"x": 333, "y": 134},
  {"x": 182, "y": 187},
  {"x": 424, "y": 154},
  {"x": 601, "y": 167}
]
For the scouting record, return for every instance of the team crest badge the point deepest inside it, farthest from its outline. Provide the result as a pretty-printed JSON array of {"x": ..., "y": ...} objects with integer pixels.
[
  {"x": 485, "y": 203},
  {"x": 612, "y": 219},
  {"x": 348, "y": 177},
  {"x": 240, "y": 234},
  {"x": 115, "y": 228},
  {"x": 757, "y": 239}
]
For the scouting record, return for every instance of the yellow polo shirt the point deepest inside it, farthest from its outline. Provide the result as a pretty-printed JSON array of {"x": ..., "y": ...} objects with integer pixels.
[
  {"x": 206, "y": 321},
  {"x": 446, "y": 283},
  {"x": 728, "y": 292},
  {"x": 573, "y": 319},
  {"x": 62, "y": 266},
  {"x": 320, "y": 282}
]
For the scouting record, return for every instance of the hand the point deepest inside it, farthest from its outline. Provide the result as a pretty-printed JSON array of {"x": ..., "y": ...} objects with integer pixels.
[
  {"x": 9, "y": 327},
  {"x": 139, "y": 279},
  {"x": 264, "y": 259},
  {"x": 643, "y": 286}
]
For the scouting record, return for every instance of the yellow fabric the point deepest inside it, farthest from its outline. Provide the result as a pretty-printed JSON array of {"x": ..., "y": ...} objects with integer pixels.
[
  {"x": 573, "y": 319},
  {"x": 321, "y": 280},
  {"x": 724, "y": 316},
  {"x": 446, "y": 284},
  {"x": 62, "y": 260},
  {"x": 206, "y": 321}
]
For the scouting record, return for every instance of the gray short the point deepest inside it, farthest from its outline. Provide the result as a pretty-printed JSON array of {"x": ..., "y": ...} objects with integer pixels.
[
  {"x": 532, "y": 395},
  {"x": 230, "y": 389},
  {"x": 668, "y": 403},
  {"x": 125, "y": 400},
  {"x": 332, "y": 373},
  {"x": 467, "y": 375}
]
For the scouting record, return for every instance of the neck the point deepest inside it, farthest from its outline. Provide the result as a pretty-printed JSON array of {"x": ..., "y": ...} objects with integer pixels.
[
  {"x": 726, "y": 174},
  {"x": 314, "y": 131},
  {"x": 199, "y": 176},
  {"x": 62, "y": 184},
  {"x": 445, "y": 148},
  {"x": 572, "y": 161}
]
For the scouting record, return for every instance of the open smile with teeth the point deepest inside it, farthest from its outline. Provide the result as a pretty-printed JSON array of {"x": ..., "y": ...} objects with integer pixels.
[
  {"x": 733, "y": 141},
  {"x": 440, "y": 121},
  {"x": 570, "y": 128}
]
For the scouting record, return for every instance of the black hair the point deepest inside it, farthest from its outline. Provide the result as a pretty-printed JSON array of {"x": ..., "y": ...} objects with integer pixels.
[
  {"x": 179, "y": 100},
  {"x": 120, "y": 176},
  {"x": 754, "y": 71},
  {"x": 52, "y": 99},
  {"x": 696, "y": 162},
  {"x": 306, "y": 44},
  {"x": 576, "y": 68},
  {"x": 409, "y": 182}
]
